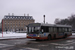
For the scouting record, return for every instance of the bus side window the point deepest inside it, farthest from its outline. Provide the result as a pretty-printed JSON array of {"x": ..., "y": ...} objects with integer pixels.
[
  {"x": 55, "y": 30},
  {"x": 51, "y": 29},
  {"x": 69, "y": 29},
  {"x": 45, "y": 29},
  {"x": 65, "y": 29},
  {"x": 59, "y": 29}
]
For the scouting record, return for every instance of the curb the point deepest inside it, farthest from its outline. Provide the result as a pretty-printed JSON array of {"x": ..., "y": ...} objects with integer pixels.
[{"x": 12, "y": 39}]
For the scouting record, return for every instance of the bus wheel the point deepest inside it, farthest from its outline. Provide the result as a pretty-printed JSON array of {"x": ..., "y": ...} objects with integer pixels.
[
  {"x": 65, "y": 36},
  {"x": 54, "y": 36},
  {"x": 49, "y": 37}
]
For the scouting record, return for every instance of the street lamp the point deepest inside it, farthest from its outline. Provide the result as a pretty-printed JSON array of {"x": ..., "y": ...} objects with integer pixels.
[{"x": 44, "y": 18}]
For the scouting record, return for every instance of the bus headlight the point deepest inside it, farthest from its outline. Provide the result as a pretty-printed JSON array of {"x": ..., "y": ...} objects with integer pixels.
[
  {"x": 38, "y": 36},
  {"x": 27, "y": 35}
]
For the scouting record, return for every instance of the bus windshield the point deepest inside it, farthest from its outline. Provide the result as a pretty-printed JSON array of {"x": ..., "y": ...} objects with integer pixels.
[{"x": 33, "y": 30}]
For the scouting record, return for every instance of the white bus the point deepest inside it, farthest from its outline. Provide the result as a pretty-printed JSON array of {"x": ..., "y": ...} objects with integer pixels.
[{"x": 48, "y": 31}]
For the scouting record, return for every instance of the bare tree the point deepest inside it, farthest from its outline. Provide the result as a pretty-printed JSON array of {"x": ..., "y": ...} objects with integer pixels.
[{"x": 67, "y": 21}]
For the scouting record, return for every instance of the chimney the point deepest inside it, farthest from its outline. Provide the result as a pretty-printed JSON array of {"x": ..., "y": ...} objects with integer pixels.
[
  {"x": 27, "y": 14},
  {"x": 44, "y": 18},
  {"x": 12, "y": 14},
  {"x": 24, "y": 14},
  {"x": 8, "y": 14}
]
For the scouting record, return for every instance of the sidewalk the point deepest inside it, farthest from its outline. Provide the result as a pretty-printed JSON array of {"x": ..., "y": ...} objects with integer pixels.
[{"x": 73, "y": 33}]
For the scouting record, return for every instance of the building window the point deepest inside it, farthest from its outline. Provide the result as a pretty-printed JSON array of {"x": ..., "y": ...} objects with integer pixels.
[
  {"x": 10, "y": 17},
  {"x": 21, "y": 29},
  {"x": 25, "y": 17}
]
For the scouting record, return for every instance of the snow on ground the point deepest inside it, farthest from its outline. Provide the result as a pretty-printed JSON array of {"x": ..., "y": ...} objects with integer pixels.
[
  {"x": 7, "y": 35},
  {"x": 73, "y": 33}
]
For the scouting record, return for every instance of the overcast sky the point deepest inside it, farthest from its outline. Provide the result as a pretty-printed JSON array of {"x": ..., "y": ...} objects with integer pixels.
[{"x": 37, "y": 8}]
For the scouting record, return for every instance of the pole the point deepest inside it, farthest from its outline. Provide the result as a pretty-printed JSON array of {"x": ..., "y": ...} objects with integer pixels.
[
  {"x": 44, "y": 18},
  {"x": 2, "y": 27}
]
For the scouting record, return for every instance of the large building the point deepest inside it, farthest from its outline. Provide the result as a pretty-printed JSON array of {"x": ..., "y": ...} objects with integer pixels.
[{"x": 16, "y": 23}]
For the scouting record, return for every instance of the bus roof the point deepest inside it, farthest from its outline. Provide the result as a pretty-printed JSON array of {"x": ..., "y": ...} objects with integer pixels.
[
  {"x": 45, "y": 24},
  {"x": 55, "y": 25}
]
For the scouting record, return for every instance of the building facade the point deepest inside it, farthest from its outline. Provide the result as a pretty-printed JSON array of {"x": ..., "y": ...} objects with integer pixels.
[
  {"x": 16, "y": 23},
  {"x": 0, "y": 27}
]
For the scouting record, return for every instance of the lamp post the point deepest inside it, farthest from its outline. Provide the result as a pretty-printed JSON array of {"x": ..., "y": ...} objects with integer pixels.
[{"x": 44, "y": 18}]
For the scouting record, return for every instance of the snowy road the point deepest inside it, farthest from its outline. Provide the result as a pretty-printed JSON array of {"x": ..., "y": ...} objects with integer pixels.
[
  {"x": 12, "y": 43},
  {"x": 32, "y": 44}
]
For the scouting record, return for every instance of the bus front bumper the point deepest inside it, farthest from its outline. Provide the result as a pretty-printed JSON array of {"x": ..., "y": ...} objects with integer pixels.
[{"x": 37, "y": 37}]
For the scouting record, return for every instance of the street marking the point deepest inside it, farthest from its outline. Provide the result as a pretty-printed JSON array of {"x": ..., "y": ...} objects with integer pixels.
[
  {"x": 4, "y": 45},
  {"x": 32, "y": 48},
  {"x": 62, "y": 44},
  {"x": 69, "y": 43},
  {"x": 65, "y": 47},
  {"x": 56, "y": 44},
  {"x": 69, "y": 40},
  {"x": 33, "y": 42},
  {"x": 42, "y": 45}
]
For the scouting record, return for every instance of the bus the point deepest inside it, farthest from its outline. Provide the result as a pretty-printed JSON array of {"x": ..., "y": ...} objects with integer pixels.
[{"x": 42, "y": 31}]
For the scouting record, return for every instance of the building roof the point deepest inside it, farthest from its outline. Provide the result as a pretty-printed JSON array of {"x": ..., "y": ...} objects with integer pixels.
[{"x": 19, "y": 17}]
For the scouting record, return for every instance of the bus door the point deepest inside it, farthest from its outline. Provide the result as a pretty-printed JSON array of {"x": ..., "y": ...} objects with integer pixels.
[
  {"x": 33, "y": 31},
  {"x": 45, "y": 31}
]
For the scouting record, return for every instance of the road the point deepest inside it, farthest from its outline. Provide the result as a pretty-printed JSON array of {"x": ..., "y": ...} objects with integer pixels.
[{"x": 32, "y": 44}]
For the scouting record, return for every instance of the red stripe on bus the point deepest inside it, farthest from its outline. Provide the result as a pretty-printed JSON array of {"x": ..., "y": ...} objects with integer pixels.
[
  {"x": 44, "y": 37},
  {"x": 36, "y": 37}
]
